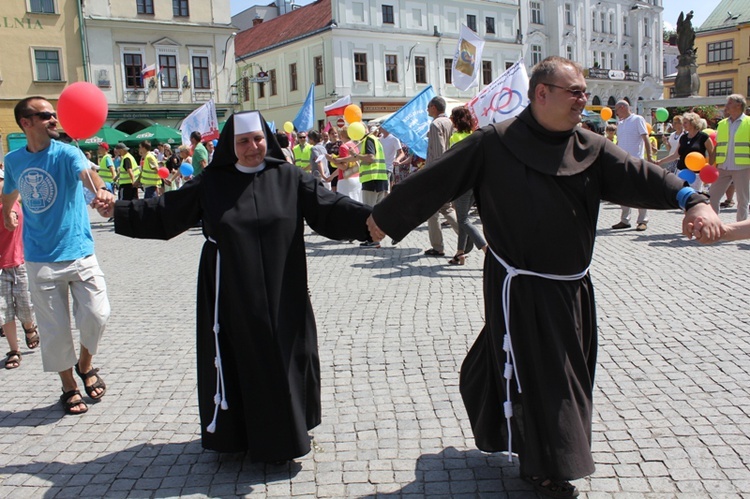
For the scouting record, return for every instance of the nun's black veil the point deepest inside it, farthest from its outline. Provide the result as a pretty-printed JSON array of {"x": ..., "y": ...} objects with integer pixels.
[{"x": 224, "y": 154}]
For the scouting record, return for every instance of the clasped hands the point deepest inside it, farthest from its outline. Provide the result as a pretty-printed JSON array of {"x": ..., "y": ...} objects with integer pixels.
[
  {"x": 104, "y": 203},
  {"x": 702, "y": 223},
  {"x": 376, "y": 233}
]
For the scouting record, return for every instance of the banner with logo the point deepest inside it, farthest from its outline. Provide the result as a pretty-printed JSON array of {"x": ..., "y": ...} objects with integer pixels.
[
  {"x": 203, "y": 120},
  {"x": 467, "y": 59},
  {"x": 503, "y": 98},
  {"x": 411, "y": 123}
]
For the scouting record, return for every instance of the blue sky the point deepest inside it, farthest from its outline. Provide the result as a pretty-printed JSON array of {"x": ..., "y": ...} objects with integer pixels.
[{"x": 672, "y": 8}]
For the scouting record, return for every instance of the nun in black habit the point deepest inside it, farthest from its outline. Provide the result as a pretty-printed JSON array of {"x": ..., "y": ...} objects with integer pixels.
[{"x": 258, "y": 366}]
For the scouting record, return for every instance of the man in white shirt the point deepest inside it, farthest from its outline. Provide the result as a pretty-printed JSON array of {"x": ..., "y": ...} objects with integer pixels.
[
  {"x": 391, "y": 146},
  {"x": 632, "y": 136}
]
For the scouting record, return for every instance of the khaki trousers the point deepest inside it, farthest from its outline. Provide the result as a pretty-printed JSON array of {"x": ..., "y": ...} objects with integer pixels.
[{"x": 433, "y": 226}]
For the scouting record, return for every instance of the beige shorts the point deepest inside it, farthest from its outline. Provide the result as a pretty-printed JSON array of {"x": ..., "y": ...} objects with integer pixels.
[{"x": 50, "y": 285}]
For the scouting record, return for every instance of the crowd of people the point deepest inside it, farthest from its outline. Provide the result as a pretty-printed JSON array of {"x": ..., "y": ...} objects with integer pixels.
[
  {"x": 726, "y": 148},
  {"x": 253, "y": 190}
]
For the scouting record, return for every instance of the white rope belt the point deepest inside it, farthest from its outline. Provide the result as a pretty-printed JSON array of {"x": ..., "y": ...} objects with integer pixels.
[
  {"x": 510, "y": 356},
  {"x": 220, "y": 397}
]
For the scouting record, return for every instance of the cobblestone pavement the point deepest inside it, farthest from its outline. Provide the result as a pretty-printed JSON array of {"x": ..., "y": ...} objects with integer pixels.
[{"x": 672, "y": 402}]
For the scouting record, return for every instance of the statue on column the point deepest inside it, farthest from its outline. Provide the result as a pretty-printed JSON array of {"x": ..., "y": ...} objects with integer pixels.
[{"x": 687, "y": 82}]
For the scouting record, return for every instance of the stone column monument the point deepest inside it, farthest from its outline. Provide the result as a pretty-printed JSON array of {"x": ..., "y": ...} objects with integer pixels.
[{"x": 687, "y": 82}]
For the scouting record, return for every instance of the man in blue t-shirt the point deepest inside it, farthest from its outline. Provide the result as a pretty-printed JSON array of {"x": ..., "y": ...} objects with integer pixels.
[{"x": 53, "y": 179}]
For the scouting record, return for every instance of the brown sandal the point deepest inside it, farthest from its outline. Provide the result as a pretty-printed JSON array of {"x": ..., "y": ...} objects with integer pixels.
[
  {"x": 32, "y": 337},
  {"x": 12, "y": 359},
  {"x": 98, "y": 384},
  {"x": 68, "y": 405}
]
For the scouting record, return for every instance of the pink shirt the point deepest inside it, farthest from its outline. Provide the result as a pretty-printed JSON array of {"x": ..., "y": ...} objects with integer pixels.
[
  {"x": 11, "y": 242},
  {"x": 344, "y": 151}
]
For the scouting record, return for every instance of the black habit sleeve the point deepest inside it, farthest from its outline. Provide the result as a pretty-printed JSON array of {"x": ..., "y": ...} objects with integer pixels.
[
  {"x": 427, "y": 190},
  {"x": 331, "y": 215},
  {"x": 630, "y": 181},
  {"x": 164, "y": 217}
]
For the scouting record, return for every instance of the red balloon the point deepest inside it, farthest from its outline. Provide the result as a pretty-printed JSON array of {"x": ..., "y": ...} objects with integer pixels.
[
  {"x": 712, "y": 136},
  {"x": 82, "y": 109},
  {"x": 709, "y": 174},
  {"x": 163, "y": 172}
]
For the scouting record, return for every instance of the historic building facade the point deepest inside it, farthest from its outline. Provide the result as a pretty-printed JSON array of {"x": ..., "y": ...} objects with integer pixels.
[
  {"x": 188, "y": 43},
  {"x": 618, "y": 43},
  {"x": 381, "y": 52},
  {"x": 42, "y": 52}
]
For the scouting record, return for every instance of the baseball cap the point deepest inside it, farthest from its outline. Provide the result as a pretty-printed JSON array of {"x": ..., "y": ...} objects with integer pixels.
[
  {"x": 120, "y": 145},
  {"x": 104, "y": 145}
]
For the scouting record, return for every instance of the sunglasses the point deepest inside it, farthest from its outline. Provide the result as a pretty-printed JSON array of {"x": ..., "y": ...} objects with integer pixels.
[
  {"x": 572, "y": 91},
  {"x": 45, "y": 115}
]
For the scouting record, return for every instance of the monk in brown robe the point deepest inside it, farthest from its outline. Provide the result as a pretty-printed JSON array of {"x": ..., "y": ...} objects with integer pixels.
[{"x": 539, "y": 179}]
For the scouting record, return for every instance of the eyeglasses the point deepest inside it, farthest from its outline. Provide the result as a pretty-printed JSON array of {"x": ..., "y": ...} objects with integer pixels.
[
  {"x": 301, "y": 136},
  {"x": 572, "y": 91},
  {"x": 45, "y": 115}
]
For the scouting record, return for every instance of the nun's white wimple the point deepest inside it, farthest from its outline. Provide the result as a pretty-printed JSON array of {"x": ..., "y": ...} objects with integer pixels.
[{"x": 247, "y": 122}]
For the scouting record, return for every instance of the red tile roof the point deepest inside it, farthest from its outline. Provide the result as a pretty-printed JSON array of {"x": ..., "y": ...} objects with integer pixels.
[{"x": 284, "y": 28}]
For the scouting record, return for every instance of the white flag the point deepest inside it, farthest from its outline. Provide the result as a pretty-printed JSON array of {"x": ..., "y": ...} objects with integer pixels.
[
  {"x": 502, "y": 99},
  {"x": 203, "y": 120},
  {"x": 468, "y": 59}
]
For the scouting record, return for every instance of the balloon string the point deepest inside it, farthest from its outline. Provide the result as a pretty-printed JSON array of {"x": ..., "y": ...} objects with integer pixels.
[{"x": 88, "y": 174}]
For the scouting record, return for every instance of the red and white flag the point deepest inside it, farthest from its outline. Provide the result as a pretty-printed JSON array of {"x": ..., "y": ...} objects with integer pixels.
[
  {"x": 148, "y": 71},
  {"x": 337, "y": 108}
]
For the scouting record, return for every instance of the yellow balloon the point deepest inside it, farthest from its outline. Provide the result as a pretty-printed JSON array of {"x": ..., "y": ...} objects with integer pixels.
[
  {"x": 288, "y": 127},
  {"x": 695, "y": 161},
  {"x": 357, "y": 130},
  {"x": 352, "y": 114},
  {"x": 605, "y": 113}
]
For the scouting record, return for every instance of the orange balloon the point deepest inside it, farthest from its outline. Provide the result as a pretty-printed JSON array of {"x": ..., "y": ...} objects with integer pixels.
[
  {"x": 605, "y": 113},
  {"x": 695, "y": 161},
  {"x": 649, "y": 128},
  {"x": 352, "y": 113}
]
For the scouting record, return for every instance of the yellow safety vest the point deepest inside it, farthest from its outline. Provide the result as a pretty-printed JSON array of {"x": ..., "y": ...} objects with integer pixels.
[
  {"x": 150, "y": 172},
  {"x": 377, "y": 169},
  {"x": 104, "y": 172},
  {"x": 302, "y": 156},
  {"x": 741, "y": 142},
  {"x": 124, "y": 177}
]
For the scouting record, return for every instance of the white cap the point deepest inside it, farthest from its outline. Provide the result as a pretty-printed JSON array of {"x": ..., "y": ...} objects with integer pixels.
[{"x": 248, "y": 122}]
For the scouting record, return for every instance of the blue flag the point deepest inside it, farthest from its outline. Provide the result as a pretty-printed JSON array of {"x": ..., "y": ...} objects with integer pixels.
[
  {"x": 272, "y": 126},
  {"x": 305, "y": 119},
  {"x": 411, "y": 123}
]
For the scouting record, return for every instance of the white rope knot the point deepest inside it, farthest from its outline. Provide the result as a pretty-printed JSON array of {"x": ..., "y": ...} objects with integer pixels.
[
  {"x": 220, "y": 397},
  {"x": 511, "y": 370}
]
